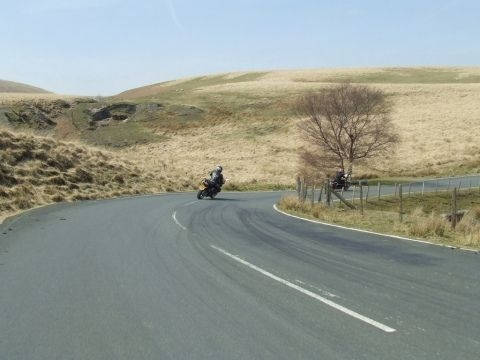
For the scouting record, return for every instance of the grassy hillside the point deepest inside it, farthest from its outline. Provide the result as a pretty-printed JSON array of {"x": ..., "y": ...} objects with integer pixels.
[
  {"x": 14, "y": 87},
  {"x": 245, "y": 121},
  {"x": 249, "y": 124},
  {"x": 39, "y": 170}
]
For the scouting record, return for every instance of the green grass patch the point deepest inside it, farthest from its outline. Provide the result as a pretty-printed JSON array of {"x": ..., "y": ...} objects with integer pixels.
[
  {"x": 186, "y": 89},
  {"x": 121, "y": 135},
  {"x": 408, "y": 76}
]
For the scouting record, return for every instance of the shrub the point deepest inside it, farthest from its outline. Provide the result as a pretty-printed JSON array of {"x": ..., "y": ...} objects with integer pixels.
[
  {"x": 119, "y": 179},
  {"x": 433, "y": 225},
  {"x": 57, "y": 180},
  {"x": 58, "y": 198},
  {"x": 83, "y": 176}
]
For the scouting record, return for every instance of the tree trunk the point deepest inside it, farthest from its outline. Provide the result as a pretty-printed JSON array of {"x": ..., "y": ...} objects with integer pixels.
[{"x": 350, "y": 167}]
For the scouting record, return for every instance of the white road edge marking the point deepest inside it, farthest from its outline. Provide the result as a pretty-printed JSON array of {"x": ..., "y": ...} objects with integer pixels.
[
  {"x": 370, "y": 232},
  {"x": 174, "y": 217},
  {"x": 309, "y": 293}
]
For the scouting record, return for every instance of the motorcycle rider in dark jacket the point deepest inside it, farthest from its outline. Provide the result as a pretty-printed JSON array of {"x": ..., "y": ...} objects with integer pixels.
[
  {"x": 340, "y": 177},
  {"x": 216, "y": 178}
]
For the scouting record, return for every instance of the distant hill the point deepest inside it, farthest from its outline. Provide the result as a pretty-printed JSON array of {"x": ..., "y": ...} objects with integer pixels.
[
  {"x": 14, "y": 87},
  {"x": 282, "y": 82}
]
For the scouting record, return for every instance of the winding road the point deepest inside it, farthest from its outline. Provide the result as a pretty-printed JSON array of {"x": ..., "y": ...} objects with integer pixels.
[{"x": 169, "y": 277}]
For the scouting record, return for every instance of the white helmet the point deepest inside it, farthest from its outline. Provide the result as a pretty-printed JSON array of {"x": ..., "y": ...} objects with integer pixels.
[{"x": 219, "y": 168}]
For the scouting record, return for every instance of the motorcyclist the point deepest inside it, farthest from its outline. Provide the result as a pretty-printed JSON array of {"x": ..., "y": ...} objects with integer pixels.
[
  {"x": 340, "y": 177},
  {"x": 216, "y": 178}
]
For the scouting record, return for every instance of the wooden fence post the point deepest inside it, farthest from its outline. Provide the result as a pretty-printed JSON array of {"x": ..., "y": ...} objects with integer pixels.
[
  {"x": 312, "y": 200},
  {"x": 366, "y": 196},
  {"x": 329, "y": 193},
  {"x": 299, "y": 187},
  {"x": 300, "y": 194},
  {"x": 379, "y": 186},
  {"x": 320, "y": 196},
  {"x": 361, "y": 198},
  {"x": 396, "y": 189},
  {"x": 423, "y": 188},
  {"x": 353, "y": 194},
  {"x": 409, "y": 189},
  {"x": 400, "y": 195},
  {"x": 454, "y": 208}
]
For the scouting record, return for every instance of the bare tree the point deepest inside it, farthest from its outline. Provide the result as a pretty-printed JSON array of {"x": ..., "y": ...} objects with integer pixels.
[{"x": 345, "y": 124}]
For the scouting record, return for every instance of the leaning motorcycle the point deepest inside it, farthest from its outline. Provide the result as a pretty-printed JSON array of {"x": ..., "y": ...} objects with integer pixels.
[
  {"x": 206, "y": 189},
  {"x": 343, "y": 183}
]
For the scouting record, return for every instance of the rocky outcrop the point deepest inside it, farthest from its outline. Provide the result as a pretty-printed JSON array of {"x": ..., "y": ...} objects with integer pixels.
[
  {"x": 103, "y": 116},
  {"x": 38, "y": 114}
]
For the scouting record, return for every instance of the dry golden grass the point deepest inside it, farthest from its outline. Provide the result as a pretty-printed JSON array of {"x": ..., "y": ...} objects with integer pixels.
[
  {"x": 438, "y": 125},
  {"x": 469, "y": 227},
  {"x": 38, "y": 170},
  {"x": 11, "y": 98},
  {"x": 196, "y": 152},
  {"x": 416, "y": 224},
  {"x": 248, "y": 124},
  {"x": 437, "y": 121}
]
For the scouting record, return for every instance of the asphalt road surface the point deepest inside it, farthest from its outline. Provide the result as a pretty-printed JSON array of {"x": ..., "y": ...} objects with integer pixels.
[{"x": 169, "y": 277}]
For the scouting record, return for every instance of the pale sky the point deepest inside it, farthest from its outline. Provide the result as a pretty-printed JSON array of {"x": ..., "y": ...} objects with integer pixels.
[{"x": 102, "y": 47}]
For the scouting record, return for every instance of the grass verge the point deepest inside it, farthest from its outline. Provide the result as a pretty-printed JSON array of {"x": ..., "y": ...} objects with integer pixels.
[{"x": 422, "y": 218}]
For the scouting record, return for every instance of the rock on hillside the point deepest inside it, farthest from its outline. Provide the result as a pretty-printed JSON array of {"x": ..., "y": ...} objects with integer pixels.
[
  {"x": 36, "y": 170},
  {"x": 38, "y": 114},
  {"x": 103, "y": 116}
]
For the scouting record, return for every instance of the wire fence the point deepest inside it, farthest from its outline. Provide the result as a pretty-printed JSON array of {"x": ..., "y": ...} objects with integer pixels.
[
  {"x": 361, "y": 193},
  {"x": 371, "y": 190},
  {"x": 442, "y": 184}
]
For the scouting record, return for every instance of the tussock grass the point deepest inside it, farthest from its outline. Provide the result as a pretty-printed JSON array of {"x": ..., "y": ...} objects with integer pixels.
[
  {"x": 38, "y": 170},
  {"x": 417, "y": 223},
  {"x": 469, "y": 227}
]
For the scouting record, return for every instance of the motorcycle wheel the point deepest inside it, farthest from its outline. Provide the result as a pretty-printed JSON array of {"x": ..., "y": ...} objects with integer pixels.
[{"x": 200, "y": 194}]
